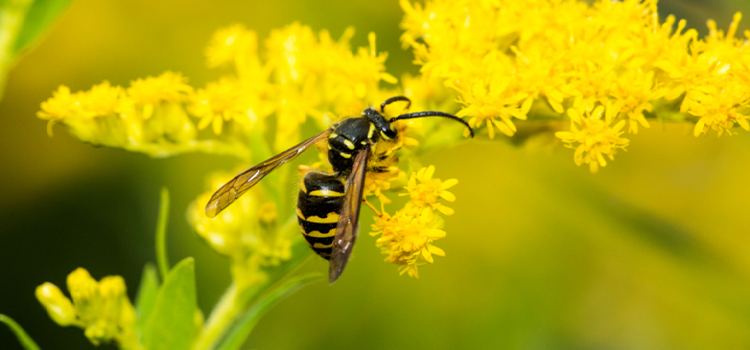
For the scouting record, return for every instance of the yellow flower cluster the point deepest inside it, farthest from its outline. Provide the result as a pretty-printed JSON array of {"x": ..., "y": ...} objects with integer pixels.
[
  {"x": 595, "y": 138},
  {"x": 407, "y": 236},
  {"x": 146, "y": 117},
  {"x": 531, "y": 60},
  {"x": 247, "y": 231},
  {"x": 301, "y": 75},
  {"x": 101, "y": 308}
]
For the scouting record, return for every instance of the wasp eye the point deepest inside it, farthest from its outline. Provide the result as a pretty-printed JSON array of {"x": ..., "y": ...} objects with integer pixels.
[{"x": 390, "y": 133}]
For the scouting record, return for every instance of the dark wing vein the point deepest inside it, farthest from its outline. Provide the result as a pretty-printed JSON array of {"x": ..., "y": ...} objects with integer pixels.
[
  {"x": 233, "y": 189},
  {"x": 346, "y": 228}
]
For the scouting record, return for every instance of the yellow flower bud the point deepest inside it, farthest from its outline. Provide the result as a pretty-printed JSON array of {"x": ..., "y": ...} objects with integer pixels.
[{"x": 58, "y": 306}]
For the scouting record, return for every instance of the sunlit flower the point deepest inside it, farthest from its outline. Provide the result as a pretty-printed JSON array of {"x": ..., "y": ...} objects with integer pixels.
[
  {"x": 61, "y": 105},
  {"x": 502, "y": 58},
  {"x": 717, "y": 109},
  {"x": 149, "y": 92},
  {"x": 424, "y": 191},
  {"x": 221, "y": 102},
  {"x": 407, "y": 236},
  {"x": 594, "y": 136}
]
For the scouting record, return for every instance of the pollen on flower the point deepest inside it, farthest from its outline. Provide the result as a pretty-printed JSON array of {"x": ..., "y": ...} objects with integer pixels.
[
  {"x": 424, "y": 191},
  {"x": 407, "y": 238},
  {"x": 593, "y": 137}
]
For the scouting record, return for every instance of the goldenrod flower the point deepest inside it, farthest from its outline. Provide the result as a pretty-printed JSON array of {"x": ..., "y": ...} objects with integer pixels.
[
  {"x": 244, "y": 231},
  {"x": 407, "y": 237},
  {"x": 718, "y": 109},
  {"x": 595, "y": 138},
  {"x": 425, "y": 191},
  {"x": 62, "y": 105},
  {"x": 148, "y": 93},
  {"x": 513, "y": 63},
  {"x": 233, "y": 44},
  {"x": 101, "y": 308},
  {"x": 223, "y": 101}
]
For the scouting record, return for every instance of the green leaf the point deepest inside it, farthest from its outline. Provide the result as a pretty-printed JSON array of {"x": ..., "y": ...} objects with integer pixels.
[
  {"x": 22, "y": 22},
  {"x": 244, "y": 326},
  {"x": 170, "y": 325},
  {"x": 40, "y": 16},
  {"x": 146, "y": 298},
  {"x": 23, "y": 338},
  {"x": 161, "y": 233}
]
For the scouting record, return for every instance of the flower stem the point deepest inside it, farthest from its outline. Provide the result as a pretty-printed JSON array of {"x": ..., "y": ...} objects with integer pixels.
[{"x": 222, "y": 316}]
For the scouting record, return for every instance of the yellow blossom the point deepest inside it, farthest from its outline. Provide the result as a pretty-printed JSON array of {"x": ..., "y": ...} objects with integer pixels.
[
  {"x": 717, "y": 108},
  {"x": 230, "y": 45},
  {"x": 407, "y": 236},
  {"x": 61, "y": 105},
  {"x": 425, "y": 191},
  {"x": 595, "y": 137},
  {"x": 167, "y": 87},
  {"x": 504, "y": 59},
  {"x": 220, "y": 102},
  {"x": 101, "y": 308},
  {"x": 245, "y": 230}
]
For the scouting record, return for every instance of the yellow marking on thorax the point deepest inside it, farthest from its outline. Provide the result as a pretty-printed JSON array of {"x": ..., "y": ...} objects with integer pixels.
[
  {"x": 331, "y": 218},
  {"x": 345, "y": 155},
  {"x": 318, "y": 234},
  {"x": 348, "y": 144},
  {"x": 371, "y": 132},
  {"x": 326, "y": 193},
  {"x": 321, "y": 245},
  {"x": 333, "y": 135},
  {"x": 302, "y": 186}
]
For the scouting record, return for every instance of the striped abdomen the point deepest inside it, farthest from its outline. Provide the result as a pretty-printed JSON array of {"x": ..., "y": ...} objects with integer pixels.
[{"x": 321, "y": 197}]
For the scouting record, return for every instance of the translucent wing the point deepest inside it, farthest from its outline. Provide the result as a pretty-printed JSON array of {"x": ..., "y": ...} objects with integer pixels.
[
  {"x": 233, "y": 189},
  {"x": 346, "y": 228}
]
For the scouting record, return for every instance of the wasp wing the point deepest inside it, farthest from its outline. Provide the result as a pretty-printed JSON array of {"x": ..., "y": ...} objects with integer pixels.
[
  {"x": 346, "y": 228},
  {"x": 228, "y": 193}
]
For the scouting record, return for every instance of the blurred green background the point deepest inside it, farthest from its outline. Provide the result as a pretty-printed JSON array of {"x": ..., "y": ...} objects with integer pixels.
[{"x": 651, "y": 253}]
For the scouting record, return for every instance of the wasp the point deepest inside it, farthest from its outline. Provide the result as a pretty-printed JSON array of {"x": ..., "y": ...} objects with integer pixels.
[{"x": 328, "y": 204}]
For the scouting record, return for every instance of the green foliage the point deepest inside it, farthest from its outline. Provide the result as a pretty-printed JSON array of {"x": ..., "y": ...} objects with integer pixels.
[
  {"x": 40, "y": 16},
  {"x": 23, "y": 22},
  {"x": 22, "y": 336},
  {"x": 242, "y": 328},
  {"x": 146, "y": 298},
  {"x": 170, "y": 325}
]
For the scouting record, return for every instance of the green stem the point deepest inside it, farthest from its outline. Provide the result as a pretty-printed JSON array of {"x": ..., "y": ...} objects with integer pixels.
[
  {"x": 161, "y": 234},
  {"x": 222, "y": 316},
  {"x": 22, "y": 336}
]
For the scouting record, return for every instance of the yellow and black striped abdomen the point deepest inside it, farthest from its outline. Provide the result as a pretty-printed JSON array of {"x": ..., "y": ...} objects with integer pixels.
[{"x": 321, "y": 197}]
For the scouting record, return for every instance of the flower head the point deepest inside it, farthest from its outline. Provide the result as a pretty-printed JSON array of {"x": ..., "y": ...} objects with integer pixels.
[
  {"x": 167, "y": 87},
  {"x": 101, "y": 308},
  {"x": 407, "y": 236},
  {"x": 424, "y": 191},
  {"x": 595, "y": 136}
]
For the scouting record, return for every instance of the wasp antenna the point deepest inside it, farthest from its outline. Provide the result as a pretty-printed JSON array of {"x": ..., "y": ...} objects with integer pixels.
[
  {"x": 395, "y": 99},
  {"x": 433, "y": 114}
]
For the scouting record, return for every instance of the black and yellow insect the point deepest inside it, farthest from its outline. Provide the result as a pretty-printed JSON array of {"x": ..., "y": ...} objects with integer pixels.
[{"x": 328, "y": 204}]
